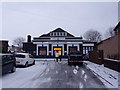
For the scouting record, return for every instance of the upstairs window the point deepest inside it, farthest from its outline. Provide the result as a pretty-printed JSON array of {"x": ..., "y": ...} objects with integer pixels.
[{"x": 57, "y": 33}]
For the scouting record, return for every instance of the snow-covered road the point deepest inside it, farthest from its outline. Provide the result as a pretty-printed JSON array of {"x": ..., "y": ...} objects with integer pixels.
[
  {"x": 22, "y": 78},
  {"x": 50, "y": 74}
]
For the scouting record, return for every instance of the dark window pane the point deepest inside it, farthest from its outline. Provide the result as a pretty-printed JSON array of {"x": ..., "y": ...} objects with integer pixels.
[
  {"x": 65, "y": 47},
  {"x": 50, "y": 47},
  {"x": 20, "y": 56}
]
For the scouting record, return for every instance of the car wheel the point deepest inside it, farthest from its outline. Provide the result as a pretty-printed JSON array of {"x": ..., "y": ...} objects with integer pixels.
[
  {"x": 33, "y": 62},
  {"x": 26, "y": 65},
  {"x": 13, "y": 69}
]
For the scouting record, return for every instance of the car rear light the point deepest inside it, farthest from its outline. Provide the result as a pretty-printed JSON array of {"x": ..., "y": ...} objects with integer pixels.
[{"x": 17, "y": 62}]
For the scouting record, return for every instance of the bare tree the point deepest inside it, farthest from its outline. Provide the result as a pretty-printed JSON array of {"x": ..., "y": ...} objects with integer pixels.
[
  {"x": 19, "y": 41},
  {"x": 110, "y": 32},
  {"x": 93, "y": 35}
]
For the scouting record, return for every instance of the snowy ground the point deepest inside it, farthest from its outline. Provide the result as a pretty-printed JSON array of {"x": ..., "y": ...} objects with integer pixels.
[
  {"x": 17, "y": 79},
  {"x": 107, "y": 76},
  {"x": 46, "y": 72}
]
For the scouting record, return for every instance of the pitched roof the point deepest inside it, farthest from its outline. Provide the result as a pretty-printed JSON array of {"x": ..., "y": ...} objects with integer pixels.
[
  {"x": 57, "y": 30},
  {"x": 117, "y": 26}
]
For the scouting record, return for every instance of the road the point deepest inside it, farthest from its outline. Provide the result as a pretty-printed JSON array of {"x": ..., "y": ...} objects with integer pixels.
[{"x": 51, "y": 74}]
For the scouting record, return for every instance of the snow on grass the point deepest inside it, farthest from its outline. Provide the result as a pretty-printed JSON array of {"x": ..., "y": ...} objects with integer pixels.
[
  {"x": 108, "y": 76},
  {"x": 23, "y": 77}
]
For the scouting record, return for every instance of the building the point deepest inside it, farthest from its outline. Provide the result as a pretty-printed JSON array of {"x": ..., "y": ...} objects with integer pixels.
[
  {"x": 111, "y": 46},
  {"x": 57, "y": 40},
  {"x": 29, "y": 47},
  {"x": 14, "y": 49},
  {"x": 3, "y": 46}
]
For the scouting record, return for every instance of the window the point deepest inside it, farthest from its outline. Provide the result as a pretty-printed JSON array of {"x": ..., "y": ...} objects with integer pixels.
[
  {"x": 51, "y": 34},
  {"x": 92, "y": 48},
  {"x": 83, "y": 51},
  {"x": 61, "y": 34},
  {"x": 72, "y": 49},
  {"x": 57, "y": 33},
  {"x": 54, "y": 34},
  {"x": 20, "y": 56},
  {"x": 87, "y": 48},
  {"x": 65, "y": 34},
  {"x": 30, "y": 56},
  {"x": 83, "y": 48},
  {"x": 42, "y": 51}
]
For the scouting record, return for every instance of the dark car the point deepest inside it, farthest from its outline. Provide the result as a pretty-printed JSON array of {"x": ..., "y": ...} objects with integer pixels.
[
  {"x": 75, "y": 58},
  {"x": 8, "y": 63}
]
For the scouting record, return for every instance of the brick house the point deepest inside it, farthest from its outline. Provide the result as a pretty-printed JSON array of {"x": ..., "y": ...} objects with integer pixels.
[
  {"x": 111, "y": 46},
  {"x": 3, "y": 46}
]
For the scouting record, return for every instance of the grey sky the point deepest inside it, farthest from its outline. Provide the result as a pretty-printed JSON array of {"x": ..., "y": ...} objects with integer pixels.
[{"x": 21, "y": 19}]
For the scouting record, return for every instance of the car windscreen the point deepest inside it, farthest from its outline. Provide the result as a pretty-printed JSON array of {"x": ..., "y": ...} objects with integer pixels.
[{"x": 20, "y": 56}]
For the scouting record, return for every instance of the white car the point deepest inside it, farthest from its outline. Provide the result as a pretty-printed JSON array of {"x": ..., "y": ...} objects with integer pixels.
[{"x": 24, "y": 59}]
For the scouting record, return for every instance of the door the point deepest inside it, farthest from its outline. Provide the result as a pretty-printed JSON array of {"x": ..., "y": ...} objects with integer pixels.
[
  {"x": 7, "y": 63},
  {"x": 31, "y": 59},
  {"x": 59, "y": 50}
]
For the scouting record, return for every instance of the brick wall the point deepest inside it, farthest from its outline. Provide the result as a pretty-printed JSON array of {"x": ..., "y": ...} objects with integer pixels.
[
  {"x": 110, "y": 47},
  {"x": 29, "y": 48},
  {"x": 3, "y": 46}
]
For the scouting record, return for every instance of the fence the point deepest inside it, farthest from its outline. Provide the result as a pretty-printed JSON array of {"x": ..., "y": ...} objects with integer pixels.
[{"x": 97, "y": 57}]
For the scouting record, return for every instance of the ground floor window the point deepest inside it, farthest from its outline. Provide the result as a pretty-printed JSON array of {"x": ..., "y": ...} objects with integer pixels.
[
  {"x": 86, "y": 49},
  {"x": 72, "y": 49},
  {"x": 42, "y": 51}
]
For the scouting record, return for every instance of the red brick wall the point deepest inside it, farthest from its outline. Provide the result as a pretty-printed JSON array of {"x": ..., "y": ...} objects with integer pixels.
[
  {"x": 29, "y": 48},
  {"x": 4, "y": 46}
]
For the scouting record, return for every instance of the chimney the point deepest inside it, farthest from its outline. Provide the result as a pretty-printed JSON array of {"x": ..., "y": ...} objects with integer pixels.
[{"x": 29, "y": 38}]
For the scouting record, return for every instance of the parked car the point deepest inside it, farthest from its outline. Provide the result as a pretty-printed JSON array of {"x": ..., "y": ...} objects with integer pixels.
[
  {"x": 75, "y": 58},
  {"x": 8, "y": 63},
  {"x": 24, "y": 59}
]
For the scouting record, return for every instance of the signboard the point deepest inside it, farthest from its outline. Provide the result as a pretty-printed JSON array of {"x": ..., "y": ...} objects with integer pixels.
[{"x": 57, "y": 49}]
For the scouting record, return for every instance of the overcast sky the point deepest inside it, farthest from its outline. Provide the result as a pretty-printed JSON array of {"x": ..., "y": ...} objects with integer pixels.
[{"x": 21, "y": 19}]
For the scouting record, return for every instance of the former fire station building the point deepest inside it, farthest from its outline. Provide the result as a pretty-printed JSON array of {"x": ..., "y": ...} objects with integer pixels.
[{"x": 57, "y": 40}]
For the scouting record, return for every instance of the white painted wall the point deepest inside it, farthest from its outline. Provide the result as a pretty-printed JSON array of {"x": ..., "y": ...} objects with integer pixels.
[
  {"x": 88, "y": 44},
  {"x": 60, "y": 44},
  {"x": 57, "y": 38}
]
